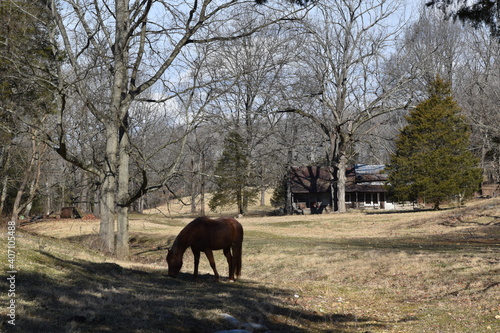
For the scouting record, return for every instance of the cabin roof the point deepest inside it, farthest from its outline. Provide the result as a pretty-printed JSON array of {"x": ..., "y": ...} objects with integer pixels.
[
  {"x": 370, "y": 169},
  {"x": 311, "y": 179},
  {"x": 316, "y": 179},
  {"x": 366, "y": 178}
]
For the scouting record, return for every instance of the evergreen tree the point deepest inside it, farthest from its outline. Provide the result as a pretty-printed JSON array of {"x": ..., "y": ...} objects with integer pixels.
[
  {"x": 27, "y": 88},
  {"x": 278, "y": 198},
  {"x": 26, "y": 60},
  {"x": 432, "y": 161},
  {"x": 233, "y": 177},
  {"x": 476, "y": 12}
]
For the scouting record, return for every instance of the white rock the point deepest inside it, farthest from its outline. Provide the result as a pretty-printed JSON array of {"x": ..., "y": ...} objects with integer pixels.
[
  {"x": 230, "y": 319},
  {"x": 253, "y": 327}
]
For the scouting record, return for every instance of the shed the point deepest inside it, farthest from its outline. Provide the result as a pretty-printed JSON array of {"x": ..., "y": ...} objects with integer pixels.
[{"x": 70, "y": 213}]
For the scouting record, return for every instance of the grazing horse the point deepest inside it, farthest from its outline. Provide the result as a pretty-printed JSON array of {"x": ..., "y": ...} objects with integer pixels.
[{"x": 204, "y": 235}]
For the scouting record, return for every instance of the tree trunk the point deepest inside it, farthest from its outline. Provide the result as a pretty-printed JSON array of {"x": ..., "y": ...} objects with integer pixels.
[
  {"x": 239, "y": 201},
  {"x": 288, "y": 202},
  {"x": 193, "y": 186},
  {"x": 119, "y": 112},
  {"x": 106, "y": 228},
  {"x": 34, "y": 161},
  {"x": 16, "y": 209},
  {"x": 3, "y": 196},
  {"x": 262, "y": 196},
  {"x": 338, "y": 157},
  {"x": 107, "y": 202},
  {"x": 33, "y": 187},
  {"x": 193, "y": 200},
  {"x": 5, "y": 180},
  {"x": 203, "y": 183},
  {"x": 341, "y": 183},
  {"x": 202, "y": 198},
  {"x": 85, "y": 201},
  {"x": 245, "y": 203},
  {"x": 122, "y": 238}
]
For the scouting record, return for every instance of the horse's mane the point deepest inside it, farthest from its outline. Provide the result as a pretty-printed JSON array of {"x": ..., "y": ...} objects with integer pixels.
[{"x": 186, "y": 230}]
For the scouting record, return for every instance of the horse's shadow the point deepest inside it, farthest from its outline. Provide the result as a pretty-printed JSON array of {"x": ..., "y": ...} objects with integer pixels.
[{"x": 102, "y": 297}]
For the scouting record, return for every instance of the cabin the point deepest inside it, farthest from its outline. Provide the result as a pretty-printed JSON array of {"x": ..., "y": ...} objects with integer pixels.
[
  {"x": 365, "y": 187},
  {"x": 312, "y": 188}
]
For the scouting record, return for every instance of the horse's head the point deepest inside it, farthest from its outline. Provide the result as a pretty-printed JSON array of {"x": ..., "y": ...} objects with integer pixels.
[{"x": 174, "y": 261}]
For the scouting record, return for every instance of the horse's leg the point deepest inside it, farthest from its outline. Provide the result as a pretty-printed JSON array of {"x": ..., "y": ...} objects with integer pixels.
[
  {"x": 196, "y": 254},
  {"x": 229, "y": 257},
  {"x": 210, "y": 257}
]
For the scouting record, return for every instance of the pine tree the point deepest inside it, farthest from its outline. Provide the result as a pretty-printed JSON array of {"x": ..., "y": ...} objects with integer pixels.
[
  {"x": 26, "y": 59},
  {"x": 278, "y": 198},
  {"x": 233, "y": 178},
  {"x": 432, "y": 161},
  {"x": 27, "y": 88},
  {"x": 478, "y": 13}
]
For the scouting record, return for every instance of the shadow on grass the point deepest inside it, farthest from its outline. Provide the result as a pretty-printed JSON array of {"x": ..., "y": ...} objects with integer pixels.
[{"x": 104, "y": 297}]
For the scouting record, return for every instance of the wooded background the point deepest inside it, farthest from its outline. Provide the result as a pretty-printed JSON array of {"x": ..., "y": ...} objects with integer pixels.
[{"x": 117, "y": 105}]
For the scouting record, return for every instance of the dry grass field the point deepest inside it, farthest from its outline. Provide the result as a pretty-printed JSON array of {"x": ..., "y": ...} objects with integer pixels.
[{"x": 419, "y": 271}]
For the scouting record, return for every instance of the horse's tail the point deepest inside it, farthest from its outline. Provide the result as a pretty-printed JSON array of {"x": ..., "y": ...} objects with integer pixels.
[
  {"x": 237, "y": 253},
  {"x": 237, "y": 249}
]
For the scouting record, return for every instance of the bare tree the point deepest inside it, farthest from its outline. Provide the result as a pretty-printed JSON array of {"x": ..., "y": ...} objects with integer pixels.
[
  {"x": 349, "y": 40},
  {"x": 432, "y": 47},
  {"x": 30, "y": 180},
  {"x": 427, "y": 47},
  {"x": 250, "y": 76},
  {"x": 477, "y": 92},
  {"x": 131, "y": 47},
  {"x": 202, "y": 149}
]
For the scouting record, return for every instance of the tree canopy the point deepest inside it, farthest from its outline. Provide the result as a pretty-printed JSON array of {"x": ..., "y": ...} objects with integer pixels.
[{"x": 432, "y": 161}]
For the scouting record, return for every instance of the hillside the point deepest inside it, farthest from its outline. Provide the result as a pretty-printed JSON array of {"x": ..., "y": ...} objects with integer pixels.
[{"x": 405, "y": 272}]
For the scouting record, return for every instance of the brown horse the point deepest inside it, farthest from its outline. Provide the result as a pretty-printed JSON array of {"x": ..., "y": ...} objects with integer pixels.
[{"x": 204, "y": 235}]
